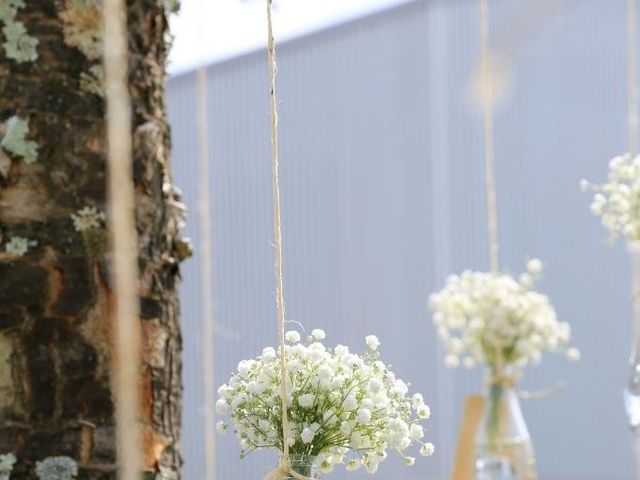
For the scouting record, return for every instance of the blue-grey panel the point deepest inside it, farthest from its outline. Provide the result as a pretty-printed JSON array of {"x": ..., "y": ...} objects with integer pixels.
[{"x": 383, "y": 196}]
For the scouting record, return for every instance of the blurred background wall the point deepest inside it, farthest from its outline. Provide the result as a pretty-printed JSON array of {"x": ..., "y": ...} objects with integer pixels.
[{"x": 383, "y": 197}]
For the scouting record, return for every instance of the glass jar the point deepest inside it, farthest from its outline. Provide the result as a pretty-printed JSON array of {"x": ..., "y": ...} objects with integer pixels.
[
  {"x": 306, "y": 465},
  {"x": 503, "y": 448},
  {"x": 632, "y": 389}
]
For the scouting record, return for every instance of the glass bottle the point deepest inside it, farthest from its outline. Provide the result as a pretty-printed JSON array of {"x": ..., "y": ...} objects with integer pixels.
[
  {"x": 503, "y": 448},
  {"x": 632, "y": 389},
  {"x": 306, "y": 465}
]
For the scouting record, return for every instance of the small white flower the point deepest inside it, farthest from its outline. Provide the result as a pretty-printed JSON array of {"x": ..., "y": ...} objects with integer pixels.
[
  {"x": 307, "y": 435},
  {"x": 416, "y": 432},
  {"x": 341, "y": 351},
  {"x": 424, "y": 412},
  {"x": 306, "y": 400},
  {"x": 318, "y": 334},
  {"x": 372, "y": 342},
  {"x": 534, "y": 266},
  {"x": 269, "y": 353},
  {"x": 409, "y": 461},
  {"x": 427, "y": 449},
  {"x": 221, "y": 427},
  {"x": 346, "y": 428},
  {"x": 353, "y": 464},
  {"x": 573, "y": 354},
  {"x": 364, "y": 416},
  {"x": 584, "y": 185},
  {"x": 292, "y": 336},
  {"x": 350, "y": 403},
  {"x": 222, "y": 407},
  {"x": 451, "y": 361},
  {"x": 375, "y": 385}
]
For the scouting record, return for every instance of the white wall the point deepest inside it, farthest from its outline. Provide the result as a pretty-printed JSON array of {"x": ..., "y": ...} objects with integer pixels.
[{"x": 384, "y": 196}]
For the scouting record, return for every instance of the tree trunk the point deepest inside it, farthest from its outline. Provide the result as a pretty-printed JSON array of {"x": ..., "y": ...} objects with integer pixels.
[{"x": 56, "y": 326}]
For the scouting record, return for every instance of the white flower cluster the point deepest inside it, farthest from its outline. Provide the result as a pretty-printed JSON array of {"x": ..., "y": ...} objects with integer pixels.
[
  {"x": 57, "y": 468},
  {"x": 497, "y": 320},
  {"x": 343, "y": 408},
  {"x": 617, "y": 202},
  {"x": 88, "y": 218}
]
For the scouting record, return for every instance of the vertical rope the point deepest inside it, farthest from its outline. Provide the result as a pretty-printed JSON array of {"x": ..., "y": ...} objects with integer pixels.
[
  {"x": 277, "y": 235},
  {"x": 285, "y": 460},
  {"x": 206, "y": 276},
  {"x": 123, "y": 238},
  {"x": 487, "y": 110},
  {"x": 632, "y": 78},
  {"x": 632, "y": 140}
]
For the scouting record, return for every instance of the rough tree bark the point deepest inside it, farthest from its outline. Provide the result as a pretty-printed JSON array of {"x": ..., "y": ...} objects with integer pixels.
[{"x": 55, "y": 298}]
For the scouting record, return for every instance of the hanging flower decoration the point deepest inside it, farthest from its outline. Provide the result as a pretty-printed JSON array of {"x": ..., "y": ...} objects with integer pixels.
[
  {"x": 498, "y": 320},
  {"x": 344, "y": 408},
  {"x": 617, "y": 201}
]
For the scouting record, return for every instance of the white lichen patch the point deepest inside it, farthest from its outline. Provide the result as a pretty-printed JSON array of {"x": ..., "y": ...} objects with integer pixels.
[
  {"x": 14, "y": 141},
  {"x": 92, "y": 81},
  {"x": 57, "y": 468},
  {"x": 82, "y": 27},
  {"x": 88, "y": 218},
  {"x": 6, "y": 465},
  {"x": 18, "y": 44},
  {"x": 19, "y": 246}
]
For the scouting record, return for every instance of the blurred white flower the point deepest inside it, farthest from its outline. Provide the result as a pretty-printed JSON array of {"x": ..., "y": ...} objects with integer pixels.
[
  {"x": 617, "y": 201},
  {"x": 496, "y": 319},
  {"x": 292, "y": 336},
  {"x": 427, "y": 449},
  {"x": 372, "y": 342},
  {"x": 318, "y": 334}
]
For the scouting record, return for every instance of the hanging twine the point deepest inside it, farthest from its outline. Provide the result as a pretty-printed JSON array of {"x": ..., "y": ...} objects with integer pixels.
[
  {"x": 487, "y": 110},
  {"x": 123, "y": 239},
  {"x": 632, "y": 78},
  {"x": 206, "y": 276},
  {"x": 284, "y": 468}
]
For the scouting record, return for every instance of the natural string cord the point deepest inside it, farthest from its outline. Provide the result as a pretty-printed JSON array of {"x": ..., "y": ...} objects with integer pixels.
[
  {"x": 632, "y": 140},
  {"x": 206, "y": 276},
  {"x": 487, "y": 110},
  {"x": 284, "y": 467},
  {"x": 123, "y": 239}
]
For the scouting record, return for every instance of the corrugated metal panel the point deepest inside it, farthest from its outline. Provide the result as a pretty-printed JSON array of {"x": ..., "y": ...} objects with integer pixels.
[{"x": 383, "y": 196}]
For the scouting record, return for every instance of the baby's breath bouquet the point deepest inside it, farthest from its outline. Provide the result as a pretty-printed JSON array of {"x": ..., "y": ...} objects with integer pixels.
[
  {"x": 497, "y": 320},
  {"x": 344, "y": 408},
  {"x": 617, "y": 201},
  {"x": 501, "y": 322}
]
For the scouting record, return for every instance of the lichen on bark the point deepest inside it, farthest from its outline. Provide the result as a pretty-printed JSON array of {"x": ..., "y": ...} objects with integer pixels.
[
  {"x": 56, "y": 302},
  {"x": 18, "y": 44}
]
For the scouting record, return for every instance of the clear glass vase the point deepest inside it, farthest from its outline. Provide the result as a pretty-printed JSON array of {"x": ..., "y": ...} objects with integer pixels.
[
  {"x": 632, "y": 389},
  {"x": 306, "y": 465},
  {"x": 503, "y": 448}
]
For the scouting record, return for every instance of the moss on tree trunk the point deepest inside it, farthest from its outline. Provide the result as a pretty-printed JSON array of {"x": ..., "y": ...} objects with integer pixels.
[{"x": 56, "y": 324}]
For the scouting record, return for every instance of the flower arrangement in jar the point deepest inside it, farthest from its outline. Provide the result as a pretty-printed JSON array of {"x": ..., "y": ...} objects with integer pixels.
[
  {"x": 503, "y": 323},
  {"x": 344, "y": 408}
]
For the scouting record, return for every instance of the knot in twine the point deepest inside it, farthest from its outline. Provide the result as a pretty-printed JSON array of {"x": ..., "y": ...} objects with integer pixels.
[
  {"x": 510, "y": 380},
  {"x": 503, "y": 379},
  {"x": 284, "y": 469}
]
